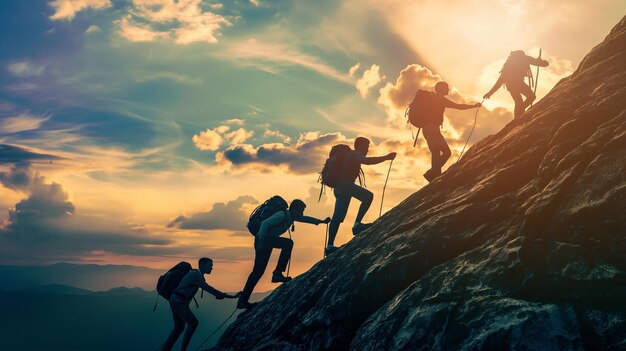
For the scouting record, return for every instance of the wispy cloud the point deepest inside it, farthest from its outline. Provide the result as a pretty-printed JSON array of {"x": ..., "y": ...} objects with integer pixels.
[
  {"x": 26, "y": 69},
  {"x": 21, "y": 123},
  {"x": 270, "y": 56}
]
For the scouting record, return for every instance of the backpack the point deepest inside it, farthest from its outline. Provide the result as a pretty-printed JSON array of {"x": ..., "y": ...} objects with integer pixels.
[
  {"x": 169, "y": 281},
  {"x": 420, "y": 111},
  {"x": 516, "y": 66},
  {"x": 330, "y": 174},
  {"x": 264, "y": 211}
]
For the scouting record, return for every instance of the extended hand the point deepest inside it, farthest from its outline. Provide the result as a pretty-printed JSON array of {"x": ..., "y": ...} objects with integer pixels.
[
  {"x": 487, "y": 96},
  {"x": 478, "y": 104},
  {"x": 392, "y": 155},
  {"x": 326, "y": 220}
]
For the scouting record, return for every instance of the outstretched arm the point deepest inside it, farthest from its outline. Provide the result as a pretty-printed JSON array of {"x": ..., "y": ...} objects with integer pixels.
[
  {"x": 460, "y": 106},
  {"x": 496, "y": 86},
  {"x": 537, "y": 62},
  {"x": 312, "y": 220},
  {"x": 378, "y": 159}
]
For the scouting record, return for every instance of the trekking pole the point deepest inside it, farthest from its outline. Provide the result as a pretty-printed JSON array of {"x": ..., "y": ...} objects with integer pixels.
[
  {"x": 289, "y": 262},
  {"x": 536, "y": 79},
  {"x": 325, "y": 240},
  {"x": 215, "y": 331},
  {"x": 384, "y": 187},
  {"x": 470, "y": 135}
]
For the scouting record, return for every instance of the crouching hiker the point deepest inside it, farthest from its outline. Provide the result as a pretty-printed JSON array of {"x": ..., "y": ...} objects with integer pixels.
[
  {"x": 341, "y": 170},
  {"x": 179, "y": 285},
  {"x": 267, "y": 223}
]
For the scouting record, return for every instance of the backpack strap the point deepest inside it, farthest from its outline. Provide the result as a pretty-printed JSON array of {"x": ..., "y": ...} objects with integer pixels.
[
  {"x": 196, "y": 301},
  {"x": 155, "y": 303}
]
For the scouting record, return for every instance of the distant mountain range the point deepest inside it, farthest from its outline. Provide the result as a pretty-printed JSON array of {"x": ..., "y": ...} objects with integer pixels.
[
  {"x": 62, "y": 317},
  {"x": 90, "y": 276}
]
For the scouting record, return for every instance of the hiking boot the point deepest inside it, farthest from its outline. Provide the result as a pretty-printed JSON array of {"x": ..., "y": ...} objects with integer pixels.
[
  {"x": 278, "y": 277},
  {"x": 330, "y": 249},
  {"x": 430, "y": 175},
  {"x": 358, "y": 228},
  {"x": 245, "y": 305}
]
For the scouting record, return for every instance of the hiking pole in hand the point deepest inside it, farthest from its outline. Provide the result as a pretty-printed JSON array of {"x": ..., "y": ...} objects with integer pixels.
[
  {"x": 536, "y": 79},
  {"x": 470, "y": 135},
  {"x": 325, "y": 240},
  {"x": 384, "y": 187}
]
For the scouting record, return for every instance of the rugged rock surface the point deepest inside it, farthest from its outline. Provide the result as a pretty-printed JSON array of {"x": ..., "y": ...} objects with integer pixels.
[{"x": 521, "y": 245}]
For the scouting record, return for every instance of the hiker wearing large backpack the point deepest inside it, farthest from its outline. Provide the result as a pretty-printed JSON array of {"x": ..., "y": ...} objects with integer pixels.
[
  {"x": 179, "y": 285},
  {"x": 515, "y": 70},
  {"x": 340, "y": 171},
  {"x": 426, "y": 112},
  {"x": 267, "y": 223}
]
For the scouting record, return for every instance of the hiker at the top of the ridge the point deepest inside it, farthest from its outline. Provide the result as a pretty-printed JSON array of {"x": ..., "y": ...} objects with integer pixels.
[
  {"x": 440, "y": 152},
  {"x": 268, "y": 238},
  {"x": 182, "y": 296},
  {"x": 514, "y": 70},
  {"x": 346, "y": 189}
]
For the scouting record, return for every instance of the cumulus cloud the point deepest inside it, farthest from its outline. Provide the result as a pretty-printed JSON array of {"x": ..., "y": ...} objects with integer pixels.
[
  {"x": 304, "y": 156},
  {"x": 184, "y": 22},
  {"x": 26, "y": 69},
  {"x": 67, "y": 9},
  {"x": 212, "y": 139},
  {"x": 93, "y": 29},
  {"x": 21, "y": 123},
  {"x": 44, "y": 227},
  {"x": 256, "y": 3},
  {"x": 371, "y": 77},
  {"x": 229, "y": 216}
]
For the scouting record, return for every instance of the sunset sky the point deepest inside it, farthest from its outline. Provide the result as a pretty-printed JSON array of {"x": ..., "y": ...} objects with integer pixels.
[{"x": 144, "y": 132}]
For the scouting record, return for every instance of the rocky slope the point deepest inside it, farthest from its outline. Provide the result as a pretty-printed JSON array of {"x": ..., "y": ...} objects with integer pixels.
[{"x": 521, "y": 245}]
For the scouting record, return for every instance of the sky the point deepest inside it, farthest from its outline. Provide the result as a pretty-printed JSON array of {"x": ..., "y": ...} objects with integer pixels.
[{"x": 144, "y": 132}]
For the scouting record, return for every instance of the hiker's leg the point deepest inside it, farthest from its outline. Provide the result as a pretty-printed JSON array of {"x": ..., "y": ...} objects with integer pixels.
[
  {"x": 285, "y": 245},
  {"x": 430, "y": 134},
  {"x": 179, "y": 326},
  {"x": 514, "y": 90},
  {"x": 443, "y": 147},
  {"x": 192, "y": 324},
  {"x": 261, "y": 258},
  {"x": 366, "y": 197},
  {"x": 342, "y": 202},
  {"x": 529, "y": 94}
]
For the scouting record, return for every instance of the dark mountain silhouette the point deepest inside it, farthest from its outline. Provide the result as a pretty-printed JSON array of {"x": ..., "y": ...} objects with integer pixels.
[
  {"x": 59, "y": 317},
  {"x": 521, "y": 245},
  {"x": 85, "y": 276}
]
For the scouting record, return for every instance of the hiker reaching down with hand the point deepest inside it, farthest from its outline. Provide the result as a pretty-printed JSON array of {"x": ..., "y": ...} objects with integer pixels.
[
  {"x": 426, "y": 112},
  {"x": 267, "y": 223},
  {"x": 185, "y": 283},
  {"x": 515, "y": 69},
  {"x": 340, "y": 171}
]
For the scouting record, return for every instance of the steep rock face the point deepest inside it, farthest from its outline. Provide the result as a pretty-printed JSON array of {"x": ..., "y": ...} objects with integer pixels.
[{"x": 521, "y": 245}]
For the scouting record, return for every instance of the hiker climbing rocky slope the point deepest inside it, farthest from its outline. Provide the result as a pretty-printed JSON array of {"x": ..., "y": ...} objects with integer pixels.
[{"x": 520, "y": 245}]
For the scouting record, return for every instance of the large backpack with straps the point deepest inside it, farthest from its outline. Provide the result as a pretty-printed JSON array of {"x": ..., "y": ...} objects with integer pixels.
[
  {"x": 517, "y": 66},
  {"x": 330, "y": 174},
  {"x": 169, "y": 281},
  {"x": 264, "y": 211},
  {"x": 421, "y": 110}
]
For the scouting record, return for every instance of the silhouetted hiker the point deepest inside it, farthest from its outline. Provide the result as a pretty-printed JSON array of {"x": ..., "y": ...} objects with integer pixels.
[
  {"x": 426, "y": 112},
  {"x": 267, "y": 223},
  {"x": 349, "y": 169},
  {"x": 182, "y": 295},
  {"x": 515, "y": 69}
]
